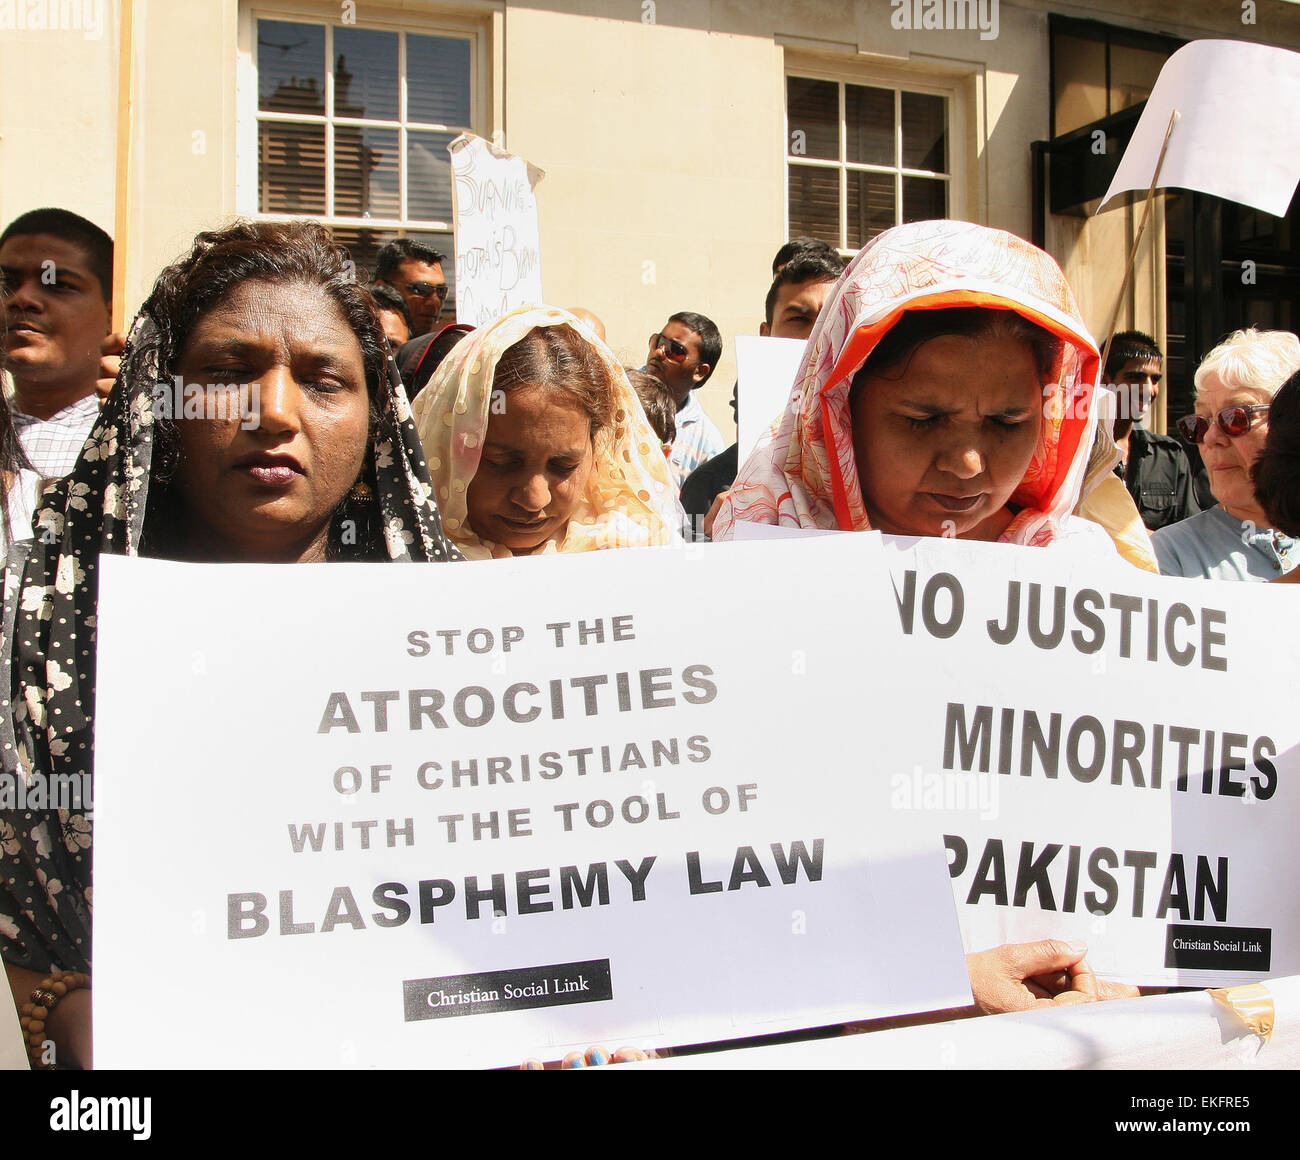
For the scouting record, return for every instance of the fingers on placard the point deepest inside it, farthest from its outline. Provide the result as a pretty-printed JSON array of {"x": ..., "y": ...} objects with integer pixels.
[
  {"x": 629, "y": 1055},
  {"x": 1045, "y": 957},
  {"x": 1054, "y": 982}
]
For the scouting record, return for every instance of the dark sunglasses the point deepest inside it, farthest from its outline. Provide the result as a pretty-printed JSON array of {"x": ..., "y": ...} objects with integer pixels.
[
  {"x": 670, "y": 346},
  {"x": 1232, "y": 421},
  {"x": 436, "y": 290}
]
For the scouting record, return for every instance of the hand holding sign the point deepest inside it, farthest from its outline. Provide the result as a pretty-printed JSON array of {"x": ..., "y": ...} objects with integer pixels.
[{"x": 1023, "y": 976}]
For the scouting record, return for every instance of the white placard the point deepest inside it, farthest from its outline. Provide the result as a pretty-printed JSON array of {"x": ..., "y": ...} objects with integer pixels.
[
  {"x": 744, "y": 531},
  {"x": 1237, "y": 136},
  {"x": 13, "y": 1051},
  {"x": 498, "y": 246},
  {"x": 765, "y": 373},
  {"x": 1176, "y": 1033},
  {"x": 1115, "y": 760},
  {"x": 737, "y": 875}
]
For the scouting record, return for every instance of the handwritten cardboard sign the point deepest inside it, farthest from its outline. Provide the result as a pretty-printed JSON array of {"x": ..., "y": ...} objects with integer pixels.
[{"x": 498, "y": 247}]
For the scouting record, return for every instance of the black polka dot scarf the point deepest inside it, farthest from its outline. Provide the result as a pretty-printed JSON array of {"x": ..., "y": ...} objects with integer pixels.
[{"x": 47, "y": 648}]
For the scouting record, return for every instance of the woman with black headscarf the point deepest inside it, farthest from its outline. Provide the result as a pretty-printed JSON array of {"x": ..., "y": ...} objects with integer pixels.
[{"x": 256, "y": 418}]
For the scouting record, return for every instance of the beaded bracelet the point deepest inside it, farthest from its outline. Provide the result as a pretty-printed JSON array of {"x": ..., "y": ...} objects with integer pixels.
[{"x": 45, "y": 997}]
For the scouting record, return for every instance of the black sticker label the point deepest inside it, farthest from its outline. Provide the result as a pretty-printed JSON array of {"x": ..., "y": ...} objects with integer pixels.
[
  {"x": 1218, "y": 948},
  {"x": 516, "y": 990}
]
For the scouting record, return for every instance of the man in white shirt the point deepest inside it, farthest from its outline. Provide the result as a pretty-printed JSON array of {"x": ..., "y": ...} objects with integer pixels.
[
  {"x": 682, "y": 357},
  {"x": 56, "y": 273}
]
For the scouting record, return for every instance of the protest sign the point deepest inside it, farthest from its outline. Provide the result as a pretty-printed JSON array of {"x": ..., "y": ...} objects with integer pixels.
[
  {"x": 409, "y": 816},
  {"x": 745, "y": 531},
  {"x": 1112, "y": 756},
  {"x": 1190, "y": 1029},
  {"x": 1236, "y": 136},
  {"x": 498, "y": 247},
  {"x": 765, "y": 372}
]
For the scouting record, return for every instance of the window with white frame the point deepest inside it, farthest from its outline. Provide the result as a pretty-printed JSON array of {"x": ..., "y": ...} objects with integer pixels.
[
  {"x": 353, "y": 124},
  {"x": 863, "y": 158}
]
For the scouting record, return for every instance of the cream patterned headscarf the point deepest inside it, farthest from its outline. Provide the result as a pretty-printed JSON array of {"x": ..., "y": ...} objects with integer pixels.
[{"x": 629, "y": 500}]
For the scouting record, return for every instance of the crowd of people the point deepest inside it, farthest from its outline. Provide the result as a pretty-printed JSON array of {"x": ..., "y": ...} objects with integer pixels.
[{"x": 270, "y": 407}]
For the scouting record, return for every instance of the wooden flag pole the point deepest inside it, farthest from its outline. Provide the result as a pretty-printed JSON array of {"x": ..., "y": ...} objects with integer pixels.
[
  {"x": 125, "y": 155},
  {"x": 1132, "y": 254}
]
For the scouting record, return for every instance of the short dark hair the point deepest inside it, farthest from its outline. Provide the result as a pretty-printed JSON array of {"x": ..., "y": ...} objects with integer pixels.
[
  {"x": 386, "y": 298},
  {"x": 1128, "y": 345},
  {"x": 657, "y": 402},
  {"x": 799, "y": 246},
  {"x": 85, "y": 235},
  {"x": 400, "y": 250},
  {"x": 806, "y": 266},
  {"x": 1277, "y": 470},
  {"x": 710, "y": 338}
]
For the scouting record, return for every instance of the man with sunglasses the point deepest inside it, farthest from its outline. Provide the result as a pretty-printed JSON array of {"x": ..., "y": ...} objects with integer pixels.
[
  {"x": 682, "y": 357},
  {"x": 414, "y": 270},
  {"x": 1234, "y": 388},
  {"x": 1153, "y": 467}
]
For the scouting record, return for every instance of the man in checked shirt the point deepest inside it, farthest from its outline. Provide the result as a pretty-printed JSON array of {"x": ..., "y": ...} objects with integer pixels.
[{"x": 56, "y": 274}]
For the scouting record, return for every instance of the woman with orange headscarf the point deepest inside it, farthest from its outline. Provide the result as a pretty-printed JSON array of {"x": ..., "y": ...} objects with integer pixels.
[{"x": 947, "y": 390}]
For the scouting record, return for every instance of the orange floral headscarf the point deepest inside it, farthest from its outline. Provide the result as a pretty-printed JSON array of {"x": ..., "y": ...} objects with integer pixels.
[
  {"x": 629, "y": 500},
  {"x": 803, "y": 473}
]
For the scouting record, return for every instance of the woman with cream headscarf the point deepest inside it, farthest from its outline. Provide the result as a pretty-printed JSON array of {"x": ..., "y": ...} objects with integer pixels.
[
  {"x": 537, "y": 443},
  {"x": 947, "y": 389}
]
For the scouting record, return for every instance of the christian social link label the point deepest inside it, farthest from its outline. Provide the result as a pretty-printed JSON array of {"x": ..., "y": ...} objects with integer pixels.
[
  {"x": 1221, "y": 948},
  {"x": 516, "y": 990}
]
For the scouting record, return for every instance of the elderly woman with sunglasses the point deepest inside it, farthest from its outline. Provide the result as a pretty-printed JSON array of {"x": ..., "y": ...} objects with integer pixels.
[{"x": 1235, "y": 539}]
